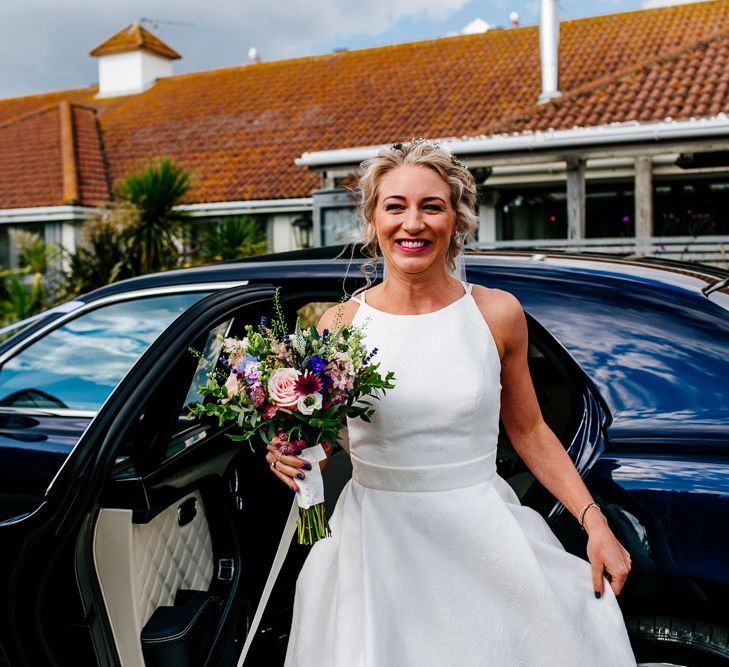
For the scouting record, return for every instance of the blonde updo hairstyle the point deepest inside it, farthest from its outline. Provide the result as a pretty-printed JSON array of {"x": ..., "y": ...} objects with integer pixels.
[{"x": 418, "y": 153}]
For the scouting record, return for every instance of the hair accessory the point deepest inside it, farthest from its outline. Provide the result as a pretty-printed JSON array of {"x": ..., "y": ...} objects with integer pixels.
[{"x": 415, "y": 141}]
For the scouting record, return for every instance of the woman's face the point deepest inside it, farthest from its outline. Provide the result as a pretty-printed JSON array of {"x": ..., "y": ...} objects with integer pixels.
[{"x": 414, "y": 219}]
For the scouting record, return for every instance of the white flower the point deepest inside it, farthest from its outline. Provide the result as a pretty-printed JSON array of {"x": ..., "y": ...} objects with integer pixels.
[
  {"x": 297, "y": 340},
  {"x": 233, "y": 345},
  {"x": 307, "y": 404}
]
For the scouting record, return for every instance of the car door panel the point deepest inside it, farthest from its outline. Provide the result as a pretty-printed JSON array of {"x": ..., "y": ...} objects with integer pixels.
[
  {"x": 62, "y": 523},
  {"x": 141, "y": 566}
]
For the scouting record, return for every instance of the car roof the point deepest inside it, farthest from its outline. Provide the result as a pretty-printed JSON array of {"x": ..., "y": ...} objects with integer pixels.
[{"x": 329, "y": 261}]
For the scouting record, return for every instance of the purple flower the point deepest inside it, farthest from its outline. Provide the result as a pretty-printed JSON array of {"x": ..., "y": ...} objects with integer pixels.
[
  {"x": 244, "y": 361},
  {"x": 317, "y": 364}
]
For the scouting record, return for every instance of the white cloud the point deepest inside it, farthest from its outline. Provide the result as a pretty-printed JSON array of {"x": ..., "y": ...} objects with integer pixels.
[
  {"x": 476, "y": 26},
  {"x": 44, "y": 44}
]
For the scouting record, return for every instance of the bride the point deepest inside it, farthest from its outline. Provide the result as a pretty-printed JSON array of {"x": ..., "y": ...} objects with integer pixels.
[{"x": 433, "y": 561}]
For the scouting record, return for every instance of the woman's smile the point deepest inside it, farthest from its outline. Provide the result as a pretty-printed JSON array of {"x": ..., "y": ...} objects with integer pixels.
[{"x": 419, "y": 245}]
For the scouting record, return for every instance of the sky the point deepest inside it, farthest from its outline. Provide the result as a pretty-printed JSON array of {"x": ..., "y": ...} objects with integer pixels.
[{"x": 44, "y": 44}]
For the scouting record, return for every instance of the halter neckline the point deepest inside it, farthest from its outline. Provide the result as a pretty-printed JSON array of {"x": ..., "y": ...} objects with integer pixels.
[{"x": 466, "y": 286}]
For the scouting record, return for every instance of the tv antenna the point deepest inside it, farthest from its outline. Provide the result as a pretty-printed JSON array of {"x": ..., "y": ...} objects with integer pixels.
[{"x": 156, "y": 23}]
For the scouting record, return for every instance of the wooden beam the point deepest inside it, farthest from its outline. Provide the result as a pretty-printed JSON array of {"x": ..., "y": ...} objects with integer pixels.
[
  {"x": 576, "y": 198},
  {"x": 643, "y": 197},
  {"x": 68, "y": 155}
]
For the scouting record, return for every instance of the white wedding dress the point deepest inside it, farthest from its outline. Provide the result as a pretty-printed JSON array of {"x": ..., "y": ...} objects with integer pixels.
[{"x": 433, "y": 562}]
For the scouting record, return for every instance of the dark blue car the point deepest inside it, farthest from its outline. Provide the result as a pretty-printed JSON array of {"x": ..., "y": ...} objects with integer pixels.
[{"x": 132, "y": 534}]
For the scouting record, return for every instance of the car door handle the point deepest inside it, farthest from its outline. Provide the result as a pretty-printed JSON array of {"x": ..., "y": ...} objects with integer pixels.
[{"x": 186, "y": 511}]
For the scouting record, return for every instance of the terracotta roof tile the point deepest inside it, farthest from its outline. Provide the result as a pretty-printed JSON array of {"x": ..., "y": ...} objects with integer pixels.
[
  {"x": 681, "y": 95},
  {"x": 35, "y": 166},
  {"x": 132, "y": 38},
  {"x": 30, "y": 171},
  {"x": 241, "y": 128},
  {"x": 93, "y": 177}
]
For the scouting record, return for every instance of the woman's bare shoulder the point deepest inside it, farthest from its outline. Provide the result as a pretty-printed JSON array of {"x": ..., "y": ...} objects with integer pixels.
[
  {"x": 339, "y": 315},
  {"x": 496, "y": 301},
  {"x": 502, "y": 312}
]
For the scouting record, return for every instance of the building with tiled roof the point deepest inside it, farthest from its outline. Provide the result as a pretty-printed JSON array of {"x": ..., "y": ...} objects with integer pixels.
[{"x": 640, "y": 108}]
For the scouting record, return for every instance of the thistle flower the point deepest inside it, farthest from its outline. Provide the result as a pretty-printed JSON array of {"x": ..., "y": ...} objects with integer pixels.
[{"x": 308, "y": 384}]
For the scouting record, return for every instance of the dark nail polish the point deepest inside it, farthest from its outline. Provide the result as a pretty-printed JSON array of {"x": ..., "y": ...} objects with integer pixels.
[
  {"x": 598, "y": 594},
  {"x": 307, "y": 466},
  {"x": 300, "y": 475}
]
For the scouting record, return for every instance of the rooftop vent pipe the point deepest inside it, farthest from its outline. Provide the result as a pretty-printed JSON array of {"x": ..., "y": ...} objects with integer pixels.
[{"x": 549, "y": 49}]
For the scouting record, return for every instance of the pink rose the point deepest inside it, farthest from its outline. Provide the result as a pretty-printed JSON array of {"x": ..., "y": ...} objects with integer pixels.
[{"x": 282, "y": 387}]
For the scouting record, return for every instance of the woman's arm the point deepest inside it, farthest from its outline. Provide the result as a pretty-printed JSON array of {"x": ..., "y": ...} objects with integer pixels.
[{"x": 539, "y": 447}]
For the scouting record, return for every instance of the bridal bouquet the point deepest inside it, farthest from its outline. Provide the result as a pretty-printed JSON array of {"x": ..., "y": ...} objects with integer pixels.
[{"x": 295, "y": 391}]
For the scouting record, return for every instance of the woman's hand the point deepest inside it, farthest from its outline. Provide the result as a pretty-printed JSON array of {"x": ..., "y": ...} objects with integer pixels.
[
  {"x": 607, "y": 556},
  {"x": 288, "y": 468}
]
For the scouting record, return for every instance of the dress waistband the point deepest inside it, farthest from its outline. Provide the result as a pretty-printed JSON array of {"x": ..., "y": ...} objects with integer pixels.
[{"x": 443, "y": 477}]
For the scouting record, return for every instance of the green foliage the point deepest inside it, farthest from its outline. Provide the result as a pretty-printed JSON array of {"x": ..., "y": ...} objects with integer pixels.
[
  {"x": 233, "y": 238},
  {"x": 100, "y": 259},
  {"x": 150, "y": 238},
  {"x": 137, "y": 234},
  {"x": 20, "y": 298}
]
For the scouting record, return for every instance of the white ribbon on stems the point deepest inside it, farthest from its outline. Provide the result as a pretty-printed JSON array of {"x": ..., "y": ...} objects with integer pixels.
[{"x": 311, "y": 492}]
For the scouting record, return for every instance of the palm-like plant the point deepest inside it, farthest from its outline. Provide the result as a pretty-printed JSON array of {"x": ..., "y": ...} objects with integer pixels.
[
  {"x": 233, "y": 238},
  {"x": 101, "y": 258},
  {"x": 151, "y": 240},
  {"x": 36, "y": 257}
]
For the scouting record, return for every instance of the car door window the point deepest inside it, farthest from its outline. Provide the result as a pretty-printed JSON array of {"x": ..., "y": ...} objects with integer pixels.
[{"x": 77, "y": 365}]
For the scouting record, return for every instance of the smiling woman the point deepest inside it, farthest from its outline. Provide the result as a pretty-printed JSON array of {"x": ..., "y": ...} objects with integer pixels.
[{"x": 433, "y": 560}]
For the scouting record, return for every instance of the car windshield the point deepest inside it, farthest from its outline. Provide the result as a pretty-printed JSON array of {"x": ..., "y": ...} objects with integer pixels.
[{"x": 77, "y": 365}]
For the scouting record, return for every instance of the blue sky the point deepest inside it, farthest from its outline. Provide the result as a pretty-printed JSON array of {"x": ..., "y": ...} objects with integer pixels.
[
  {"x": 44, "y": 44},
  {"x": 494, "y": 12}
]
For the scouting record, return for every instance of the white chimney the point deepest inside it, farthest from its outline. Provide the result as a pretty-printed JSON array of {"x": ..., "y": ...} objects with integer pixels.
[
  {"x": 514, "y": 19},
  {"x": 131, "y": 60},
  {"x": 253, "y": 55},
  {"x": 549, "y": 49}
]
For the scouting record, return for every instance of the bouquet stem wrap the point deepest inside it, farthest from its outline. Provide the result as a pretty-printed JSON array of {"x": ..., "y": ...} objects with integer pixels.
[{"x": 313, "y": 524}]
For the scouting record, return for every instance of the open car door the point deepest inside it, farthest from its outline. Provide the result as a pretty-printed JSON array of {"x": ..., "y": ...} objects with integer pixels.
[{"x": 152, "y": 544}]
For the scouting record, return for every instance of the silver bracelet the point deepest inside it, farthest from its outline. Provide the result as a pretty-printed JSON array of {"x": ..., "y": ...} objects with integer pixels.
[{"x": 584, "y": 511}]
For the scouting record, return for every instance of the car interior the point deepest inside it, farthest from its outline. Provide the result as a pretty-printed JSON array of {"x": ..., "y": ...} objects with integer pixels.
[{"x": 189, "y": 520}]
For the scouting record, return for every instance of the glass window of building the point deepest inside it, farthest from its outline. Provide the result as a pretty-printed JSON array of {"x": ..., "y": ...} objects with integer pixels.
[
  {"x": 531, "y": 213},
  {"x": 609, "y": 210},
  {"x": 339, "y": 224},
  {"x": 691, "y": 206}
]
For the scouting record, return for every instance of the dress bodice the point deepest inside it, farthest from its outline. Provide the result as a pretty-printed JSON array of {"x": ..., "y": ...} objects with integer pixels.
[{"x": 438, "y": 427}]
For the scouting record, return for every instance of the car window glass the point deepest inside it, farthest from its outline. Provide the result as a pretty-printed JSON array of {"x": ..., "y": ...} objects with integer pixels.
[
  {"x": 77, "y": 365},
  {"x": 188, "y": 430},
  {"x": 208, "y": 359}
]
